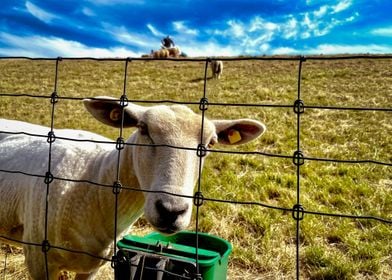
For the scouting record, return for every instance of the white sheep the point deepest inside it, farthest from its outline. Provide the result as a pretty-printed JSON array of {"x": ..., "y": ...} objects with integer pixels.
[
  {"x": 216, "y": 68},
  {"x": 81, "y": 215}
]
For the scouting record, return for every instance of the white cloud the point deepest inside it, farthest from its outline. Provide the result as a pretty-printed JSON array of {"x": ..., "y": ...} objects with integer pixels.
[
  {"x": 307, "y": 23},
  {"x": 284, "y": 50},
  {"x": 321, "y": 12},
  {"x": 39, "y": 46},
  {"x": 290, "y": 28},
  {"x": 341, "y": 6},
  {"x": 248, "y": 37},
  {"x": 116, "y": 2},
  {"x": 385, "y": 31},
  {"x": 122, "y": 35},
  {"x": 154, "y": 31},
  {"x": 259, "y": 24},
  {"x": 195, "y": 49},
  {"x": 39, "y": 13},
  {"x": 333, "y": 9},
  {"x": 264, "y": 48},
  {"x": 320, "y": 23},
  {"x": 334, "y": 49},
  {"x": 258, "y": 34},
  {"x": 352, "y": 18},
  {"x": 349, "y": 49},
  {"x": 88, "y": 12},
  {"x": 236, "y": 29},
  {"x": 181, "y": 28}
]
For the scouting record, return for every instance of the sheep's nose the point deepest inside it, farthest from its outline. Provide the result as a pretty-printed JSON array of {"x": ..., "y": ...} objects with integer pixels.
[{"x": 169, "y": 212}]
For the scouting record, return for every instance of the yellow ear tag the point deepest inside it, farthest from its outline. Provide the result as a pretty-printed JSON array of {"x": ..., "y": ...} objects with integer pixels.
[
  {"x": 115, "y": 114},
  {"x": 234, "y": 136}
]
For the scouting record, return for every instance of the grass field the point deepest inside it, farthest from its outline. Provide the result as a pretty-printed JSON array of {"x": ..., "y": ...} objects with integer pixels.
[{"x": 264, "y": 240}]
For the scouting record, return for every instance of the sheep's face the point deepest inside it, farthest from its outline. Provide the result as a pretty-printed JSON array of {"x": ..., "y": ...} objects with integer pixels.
[
  {"x": 166, "y": 159},
  {"x": 167, "y": 165}
]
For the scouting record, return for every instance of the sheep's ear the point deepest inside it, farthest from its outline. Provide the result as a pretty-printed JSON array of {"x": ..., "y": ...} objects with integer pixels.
[
  {"x": 108, "y": 111},
  {"x": 236, "y": 132}
]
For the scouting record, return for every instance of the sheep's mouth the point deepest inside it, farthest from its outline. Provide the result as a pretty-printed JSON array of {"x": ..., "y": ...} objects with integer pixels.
[
  {"x": 168, "y": 230},
  {"x": 167, "y": 227}
]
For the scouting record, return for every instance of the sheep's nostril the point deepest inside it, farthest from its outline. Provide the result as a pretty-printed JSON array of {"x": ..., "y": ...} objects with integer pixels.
[{"x": 169, "y": 212}]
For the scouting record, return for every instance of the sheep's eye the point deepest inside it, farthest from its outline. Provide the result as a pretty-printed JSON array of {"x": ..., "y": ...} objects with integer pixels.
[
  {"x": 142, "y": 128},
  {"x": 213, "y": 141}
]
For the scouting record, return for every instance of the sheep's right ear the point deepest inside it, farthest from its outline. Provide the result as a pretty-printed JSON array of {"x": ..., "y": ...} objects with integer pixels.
[{"x": 108, "y": 111}]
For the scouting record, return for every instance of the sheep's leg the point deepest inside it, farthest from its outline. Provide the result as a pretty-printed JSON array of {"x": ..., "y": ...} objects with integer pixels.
[{"x": 35, "y": 262}]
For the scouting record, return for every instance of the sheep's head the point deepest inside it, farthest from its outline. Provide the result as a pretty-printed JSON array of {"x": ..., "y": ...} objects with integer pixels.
[{"x": 167, "y": 155}]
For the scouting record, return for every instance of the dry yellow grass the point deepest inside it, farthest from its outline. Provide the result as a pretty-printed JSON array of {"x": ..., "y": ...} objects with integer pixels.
[{"x": 263, "y": 239}]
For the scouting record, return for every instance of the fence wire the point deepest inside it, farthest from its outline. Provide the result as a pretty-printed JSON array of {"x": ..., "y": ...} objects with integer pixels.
[{"x": 298, "y": 158}]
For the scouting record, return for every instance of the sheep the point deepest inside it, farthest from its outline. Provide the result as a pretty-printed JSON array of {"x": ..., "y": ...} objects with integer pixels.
[
  {"x": 162, "y": 53},
  {"x": 216, "y": 68},
  {"x": 80, "y": 215}
]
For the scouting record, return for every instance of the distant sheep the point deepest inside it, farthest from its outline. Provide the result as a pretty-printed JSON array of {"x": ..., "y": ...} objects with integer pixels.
[
  {"x": 216, "y": 68},
  {"x": 80, "y": 215}
]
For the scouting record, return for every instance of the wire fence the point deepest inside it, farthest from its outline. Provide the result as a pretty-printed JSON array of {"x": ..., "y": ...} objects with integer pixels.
[{"x": 298, "y": 157}]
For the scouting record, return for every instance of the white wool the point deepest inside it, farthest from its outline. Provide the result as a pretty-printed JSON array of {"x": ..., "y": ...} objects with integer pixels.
[{"x": 217, "y": 68}]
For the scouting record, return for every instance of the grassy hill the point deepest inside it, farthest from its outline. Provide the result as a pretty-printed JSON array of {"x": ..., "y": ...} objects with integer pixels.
[{"x": 264, "y": 239}]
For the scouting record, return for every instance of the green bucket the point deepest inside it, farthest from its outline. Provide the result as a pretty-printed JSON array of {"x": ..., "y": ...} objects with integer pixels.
[{"x": 157, "y": 256}]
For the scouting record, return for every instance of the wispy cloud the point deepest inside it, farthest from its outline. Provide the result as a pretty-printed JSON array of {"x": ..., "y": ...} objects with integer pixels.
[
  {"x": 258, "y": 34},
  {"x": 341, "y": 49},
  {"x": 385, "y": 31},
  {"x": 136, "y": 26},
  {"x": 235, "y": 29},
  {"x": 182, "y": 28},
  {"x": 154, "y": 31},
  {"x": 209, "y": 48},
  {"x": 334, "y": 49},
  {"x": 290, "y": 28},
  {"x": 320, "y": 22},
  {"x": 116, "y": 2},
  {"x": 39, "y": 46},
  {"x": 341, "y": 6},
  {"x": 122, "y": 35},
  {"x": 321, "y": 12},
  {"x": 248, "y": 37},
  {"x": 40, "y": 13},
  {"x": 285, "y": 50},
  {"x": 88, "y": 12}
]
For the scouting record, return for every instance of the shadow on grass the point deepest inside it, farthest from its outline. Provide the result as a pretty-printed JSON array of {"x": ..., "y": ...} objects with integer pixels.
[{"x": 200, "y": 80}]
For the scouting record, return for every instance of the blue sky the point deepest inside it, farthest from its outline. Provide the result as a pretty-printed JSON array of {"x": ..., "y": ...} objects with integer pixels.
[{"x": 121, "y": 28}]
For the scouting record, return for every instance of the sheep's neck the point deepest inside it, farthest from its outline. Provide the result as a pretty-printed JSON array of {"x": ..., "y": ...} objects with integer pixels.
[{"x": 130, "y": 200}]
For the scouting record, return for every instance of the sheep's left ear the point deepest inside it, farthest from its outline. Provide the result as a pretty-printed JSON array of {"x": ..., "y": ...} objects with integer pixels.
[
  {"x": 236, "y": 132},
  {"x": 108, "y": 111}
]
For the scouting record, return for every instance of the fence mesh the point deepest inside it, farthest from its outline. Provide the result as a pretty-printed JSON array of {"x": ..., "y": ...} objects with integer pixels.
[{"x": 298, "y": 157}]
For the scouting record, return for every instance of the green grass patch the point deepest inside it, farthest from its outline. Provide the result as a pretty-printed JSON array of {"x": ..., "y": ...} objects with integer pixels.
[{"x": 263, "y": 239}]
